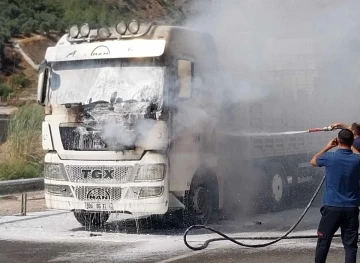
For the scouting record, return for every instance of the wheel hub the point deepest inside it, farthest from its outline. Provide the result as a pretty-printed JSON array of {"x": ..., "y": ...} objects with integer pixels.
[
  {"x": 201, "y": 202},
  {"x": 277, "y": 187}
]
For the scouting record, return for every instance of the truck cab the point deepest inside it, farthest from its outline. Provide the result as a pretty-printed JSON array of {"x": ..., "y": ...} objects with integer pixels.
[{"x": 129, "y": 125}]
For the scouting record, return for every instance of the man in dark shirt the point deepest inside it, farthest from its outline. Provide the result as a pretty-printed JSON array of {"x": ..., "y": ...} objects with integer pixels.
[
  {"x": 341, "y": 196},
  {"x": 355, "y": 128}
]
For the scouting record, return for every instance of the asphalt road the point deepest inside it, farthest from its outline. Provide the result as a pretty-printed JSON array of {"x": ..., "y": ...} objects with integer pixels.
[
  {"x": 26, "y": 252},
  {"x": 54, "y": 236},
  {"x": 283, "y": 256}
]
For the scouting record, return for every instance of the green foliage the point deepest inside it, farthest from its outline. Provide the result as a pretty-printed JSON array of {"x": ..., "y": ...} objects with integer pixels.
[
  {"x": 44, "y": 27},
  {"x": 21, "y": 81},
  {"x": 29, "y": 26},
  {"x": 92, "y": 12},
  {"x": 24, "y": 133},
  {"x": 4, "y": 90},
  {"x": 61, "y": 27},
  {"x": 21, "y": 16},
  {"x": 23, "y": 155},
  {"x": 27, "y": 16},
  {"x": 19, "y": 169},
  {"x": 24, "y": 16}
]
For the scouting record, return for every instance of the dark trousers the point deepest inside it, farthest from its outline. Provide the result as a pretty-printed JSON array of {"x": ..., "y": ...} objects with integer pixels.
[{"x": 332, "y": 218}]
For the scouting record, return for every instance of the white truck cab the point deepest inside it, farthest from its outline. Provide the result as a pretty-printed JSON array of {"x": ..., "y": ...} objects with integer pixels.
[{"x": 119, "y": 132}]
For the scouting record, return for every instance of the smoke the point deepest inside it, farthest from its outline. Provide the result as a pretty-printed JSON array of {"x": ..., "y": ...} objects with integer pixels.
[
  {"x": 297, "y": 38},
  {"x": 296, "y": 61},
  {"x": 283, "y": 66}
]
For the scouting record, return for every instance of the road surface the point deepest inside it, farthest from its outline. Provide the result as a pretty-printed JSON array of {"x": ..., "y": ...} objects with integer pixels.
[
  {"x": 13, "y": 252},
  {"x": 55, "y": 236},
  {"x": 25, "y": 56}
]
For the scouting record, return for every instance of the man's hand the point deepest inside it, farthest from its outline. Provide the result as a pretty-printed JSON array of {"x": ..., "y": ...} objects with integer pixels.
[
  {"x": 335, "y": 126},
  {"x": 331, "y": 144}
]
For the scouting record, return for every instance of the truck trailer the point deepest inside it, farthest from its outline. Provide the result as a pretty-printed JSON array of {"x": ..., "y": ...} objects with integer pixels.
[{"x": 261, "y": 165}]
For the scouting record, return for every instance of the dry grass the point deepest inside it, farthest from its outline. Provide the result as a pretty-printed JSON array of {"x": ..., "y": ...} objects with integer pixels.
[
  {"x": 22, "y": 155},
  {"x": 11, "y": 204},
  {"x": 35, "y": 47}
]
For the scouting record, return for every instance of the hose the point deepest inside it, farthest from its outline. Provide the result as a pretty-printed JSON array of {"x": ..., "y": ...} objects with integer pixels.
[{"x": 234, "y": 239}]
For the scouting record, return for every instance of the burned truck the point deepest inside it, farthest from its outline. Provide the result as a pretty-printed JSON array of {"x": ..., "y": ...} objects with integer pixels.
[
  {"x": 119, "y": 128},
  {"x": 144, "y": 120}
]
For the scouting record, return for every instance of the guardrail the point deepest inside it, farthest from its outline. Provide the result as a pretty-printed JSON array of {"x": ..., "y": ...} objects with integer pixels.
[{"x": 21, "y": 185}]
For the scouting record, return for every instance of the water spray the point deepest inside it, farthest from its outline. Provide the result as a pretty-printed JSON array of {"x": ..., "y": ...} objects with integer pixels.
[{"x": 265, "y": 134}]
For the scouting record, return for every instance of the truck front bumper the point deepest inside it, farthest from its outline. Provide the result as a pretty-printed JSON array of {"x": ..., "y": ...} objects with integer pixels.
[
  {"x": 77, "y": 188},
  {"x": 138, "y": 208}
]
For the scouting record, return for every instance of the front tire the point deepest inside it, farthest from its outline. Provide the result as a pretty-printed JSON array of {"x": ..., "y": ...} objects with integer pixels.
[
  {"x": 199, "y": 204},
  {"x": 91, "y": 218}
]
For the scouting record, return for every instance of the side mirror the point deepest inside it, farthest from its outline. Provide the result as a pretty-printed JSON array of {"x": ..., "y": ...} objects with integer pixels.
[
  {"x": 185, "y": 74},
  {"x": 42, "y": 82}
]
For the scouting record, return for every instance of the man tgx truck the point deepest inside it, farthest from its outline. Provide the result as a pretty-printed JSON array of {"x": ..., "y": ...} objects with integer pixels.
[
  {"x": 137, "y": 122},
  {"x": 129, "y": 117}
]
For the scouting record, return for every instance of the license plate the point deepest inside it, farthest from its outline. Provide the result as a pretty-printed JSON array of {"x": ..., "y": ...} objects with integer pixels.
[{"x": 99, "y": 206}]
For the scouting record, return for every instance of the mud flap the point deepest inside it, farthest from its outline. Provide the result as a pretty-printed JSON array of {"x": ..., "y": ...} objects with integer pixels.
[{"x": 174, "y": 202}]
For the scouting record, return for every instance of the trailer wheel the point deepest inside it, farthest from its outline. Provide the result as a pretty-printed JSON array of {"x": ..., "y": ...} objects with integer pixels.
[
  {"x": 277, "y": 188},
  {"x": 91, "y": 218}
]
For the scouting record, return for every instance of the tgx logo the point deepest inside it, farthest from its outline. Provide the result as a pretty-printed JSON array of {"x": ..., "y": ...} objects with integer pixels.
[{"x": 98, "y": 174}]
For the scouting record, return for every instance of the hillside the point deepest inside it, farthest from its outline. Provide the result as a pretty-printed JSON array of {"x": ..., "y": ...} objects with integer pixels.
[
  {"x": 27, "y": 28},
  {"x": 169, "y": 10},
  {"x": 34, "y": 26}
]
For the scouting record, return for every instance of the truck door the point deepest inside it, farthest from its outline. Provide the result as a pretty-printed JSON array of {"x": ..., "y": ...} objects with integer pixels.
[{"x": 184, "y": 153}]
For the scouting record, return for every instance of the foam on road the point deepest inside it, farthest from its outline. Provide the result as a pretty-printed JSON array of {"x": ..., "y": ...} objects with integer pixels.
[{"x": 157, "y": 245}]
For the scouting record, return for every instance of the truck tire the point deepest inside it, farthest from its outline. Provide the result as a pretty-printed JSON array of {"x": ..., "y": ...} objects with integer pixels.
[
  {"x": 91, "y": 218},
  {"x": 199, "y": 205},
  {"x": 277, "y": 188}
]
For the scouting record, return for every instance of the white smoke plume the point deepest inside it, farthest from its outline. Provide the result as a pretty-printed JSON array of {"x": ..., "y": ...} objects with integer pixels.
[{"x": 296, "y": 60}]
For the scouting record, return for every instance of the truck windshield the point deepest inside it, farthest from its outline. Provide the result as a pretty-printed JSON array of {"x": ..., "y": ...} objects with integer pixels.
[{"x": 116, "y": 80}]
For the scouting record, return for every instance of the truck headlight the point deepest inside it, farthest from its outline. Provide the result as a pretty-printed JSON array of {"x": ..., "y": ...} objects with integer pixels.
[
  {"x": 150, "y": 172},
  {"x": 144, "y": 192},
  {"x": 147, "y": 192},
  {"x": 74, "y": 31},
  {"x": 59, "y": 190},
  {"x": 54, "y": 171}
]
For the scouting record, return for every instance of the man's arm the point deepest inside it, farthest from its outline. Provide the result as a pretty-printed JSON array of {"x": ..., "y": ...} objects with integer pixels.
[
  {"x": 340, "y": 126},
  {"x": 313, "y": 160},
  {"x": 331, "y": 144},
  {"x": 355, "y": 150}
]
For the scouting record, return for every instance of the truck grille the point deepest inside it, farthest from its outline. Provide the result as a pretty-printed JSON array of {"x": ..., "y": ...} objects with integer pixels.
[
  {"x": 85, "y": 193},
  {"x": 98, "y": 174},
  {"x": 87, "y": 139}
]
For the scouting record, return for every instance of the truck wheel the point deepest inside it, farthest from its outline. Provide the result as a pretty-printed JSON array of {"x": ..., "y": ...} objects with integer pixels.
[
  {"x": 198, "y": 205},
  {"x": 277, "y": 188},
  {"x": 91, "y": 218}
]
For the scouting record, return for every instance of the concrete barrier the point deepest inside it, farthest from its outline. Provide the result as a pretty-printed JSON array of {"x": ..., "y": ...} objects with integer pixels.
[{"x": 21, "y": 185}]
